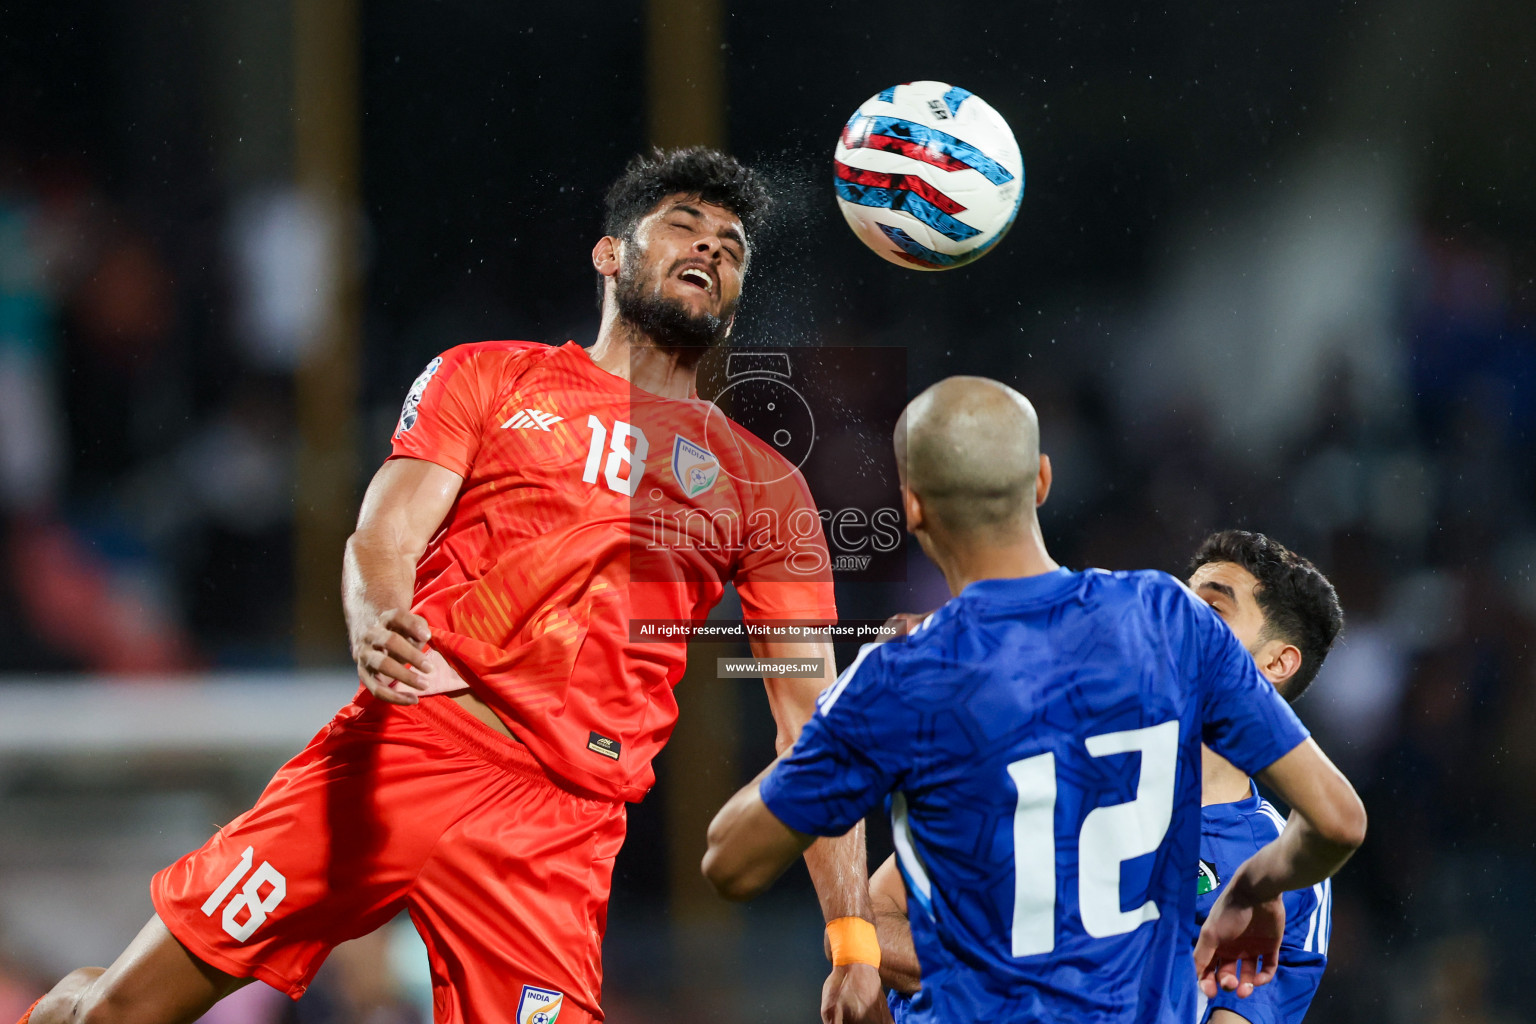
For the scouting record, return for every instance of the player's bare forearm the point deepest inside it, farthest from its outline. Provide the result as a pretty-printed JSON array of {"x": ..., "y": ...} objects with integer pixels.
[
  {"x": 1300, "y": 857},
  {"x": 1326, "y": 826},
  {"x": 839, "y": 870},
  {"x": 376, "y": 575},
  {"x": 793, "y": 701},
  {"x": 405, "y": 505},
  {"x": 899, "y": 969},
  {"x": 748, "y": 846},
  {"x": 838, "y": 867}
]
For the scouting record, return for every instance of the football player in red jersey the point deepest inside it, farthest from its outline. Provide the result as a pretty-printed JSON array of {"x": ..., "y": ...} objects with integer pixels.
[{"x": 538, "y": 499}]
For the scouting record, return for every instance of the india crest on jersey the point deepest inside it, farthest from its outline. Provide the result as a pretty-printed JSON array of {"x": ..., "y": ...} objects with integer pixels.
[
  {"x": 539, "y": 1005},
  {"x": 694, "y": 466}
]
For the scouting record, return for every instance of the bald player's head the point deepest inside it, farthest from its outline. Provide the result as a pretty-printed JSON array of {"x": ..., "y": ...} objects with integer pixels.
[{"x": 969, "y": 449}]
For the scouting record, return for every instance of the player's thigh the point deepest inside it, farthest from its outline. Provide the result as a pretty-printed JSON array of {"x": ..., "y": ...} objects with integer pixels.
[
  {"x": 513, "y": 906},
  {"x": 156, "y": 980}
]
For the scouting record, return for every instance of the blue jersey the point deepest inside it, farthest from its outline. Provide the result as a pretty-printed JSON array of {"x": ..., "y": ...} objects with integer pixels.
[
  {"x": 1039, "y": 743},
  {"x": 1229, "y": 835}
]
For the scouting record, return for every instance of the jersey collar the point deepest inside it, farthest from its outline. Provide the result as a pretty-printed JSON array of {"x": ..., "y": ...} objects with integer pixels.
[
  {"x": 1021, "y": 589},
  {"x": 1235, "y": 809}
]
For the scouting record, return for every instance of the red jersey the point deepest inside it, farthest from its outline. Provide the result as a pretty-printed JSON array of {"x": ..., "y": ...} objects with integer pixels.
[{"x": 588, "y": 502}]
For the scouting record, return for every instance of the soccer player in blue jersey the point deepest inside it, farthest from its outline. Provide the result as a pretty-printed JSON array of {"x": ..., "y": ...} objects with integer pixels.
[
  {"x": 1038, "y": 745},
  {"x": 1286, "y": 615}
]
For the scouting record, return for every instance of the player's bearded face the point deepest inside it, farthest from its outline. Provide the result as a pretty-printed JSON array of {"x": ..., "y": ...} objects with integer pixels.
[{"x": 671, "y": 324}]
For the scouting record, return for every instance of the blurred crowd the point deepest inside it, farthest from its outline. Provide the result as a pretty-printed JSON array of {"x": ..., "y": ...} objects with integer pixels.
[{"x": 145, "y": 497}]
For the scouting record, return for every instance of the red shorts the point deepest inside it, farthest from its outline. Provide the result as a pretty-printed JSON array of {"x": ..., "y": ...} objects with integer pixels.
[{"x": 505, "y": 873}]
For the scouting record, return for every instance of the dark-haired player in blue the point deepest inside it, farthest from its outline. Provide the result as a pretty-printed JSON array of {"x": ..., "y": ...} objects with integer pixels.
[
  {"x": 1039, "y": 741},
  {"x": 1286, "y": 615}
]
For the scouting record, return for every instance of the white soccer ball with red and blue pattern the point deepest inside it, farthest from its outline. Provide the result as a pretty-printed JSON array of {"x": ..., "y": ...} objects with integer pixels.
[{"x": 928, "y": 175}]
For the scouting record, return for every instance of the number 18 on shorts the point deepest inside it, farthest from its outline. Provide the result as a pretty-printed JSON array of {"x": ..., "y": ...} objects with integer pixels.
[{"x": 250, "y": 901}]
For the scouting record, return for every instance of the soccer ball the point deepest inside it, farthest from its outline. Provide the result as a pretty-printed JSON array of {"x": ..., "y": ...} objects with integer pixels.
[{"x": 928, "y": 175}]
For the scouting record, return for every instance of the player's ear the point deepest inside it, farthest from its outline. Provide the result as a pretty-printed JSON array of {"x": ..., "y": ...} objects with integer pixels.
[
  {"x": 605, "y": 256},
  {"x": 1279, "y": 661},
  {"x": 1043, "y": 480},
  {"x": 913, "y": 506}
]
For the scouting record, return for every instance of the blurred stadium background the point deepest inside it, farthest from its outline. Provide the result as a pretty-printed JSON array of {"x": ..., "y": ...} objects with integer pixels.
[{"x": 1274, "y": 269}]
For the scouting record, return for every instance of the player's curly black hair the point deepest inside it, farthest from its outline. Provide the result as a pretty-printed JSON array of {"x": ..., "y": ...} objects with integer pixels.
[
  {"x": 1299, "y": 604},
  {"x": 713, "y": 176}
]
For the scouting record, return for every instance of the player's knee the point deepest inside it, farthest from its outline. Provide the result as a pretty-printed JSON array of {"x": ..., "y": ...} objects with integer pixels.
[
  {"x": 91, "y": 1006},
  {"x": 88, "y": 1010},
  {"x": 63, "y": 1003}
]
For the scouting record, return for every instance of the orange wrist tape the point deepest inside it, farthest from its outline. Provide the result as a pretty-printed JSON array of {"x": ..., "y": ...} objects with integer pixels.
[{"x": 853, "y": 941}]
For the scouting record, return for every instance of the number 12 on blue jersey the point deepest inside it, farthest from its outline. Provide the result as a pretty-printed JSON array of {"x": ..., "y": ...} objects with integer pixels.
[{"x": 1109, "y": 836}]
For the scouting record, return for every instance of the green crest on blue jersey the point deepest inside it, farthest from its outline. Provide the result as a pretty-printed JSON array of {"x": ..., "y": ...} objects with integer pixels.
[{"x": 1206, "y": 880}]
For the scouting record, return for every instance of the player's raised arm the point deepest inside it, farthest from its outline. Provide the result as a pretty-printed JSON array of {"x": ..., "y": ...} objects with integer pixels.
[
  {"x": 1326, "y": 826},
  {"x": 838, "y": 866},
  {"x": 402, "y": 510},
  {"x": 793, "y": 700}
]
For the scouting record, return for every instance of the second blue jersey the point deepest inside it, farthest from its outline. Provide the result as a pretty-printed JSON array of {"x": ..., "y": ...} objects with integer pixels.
[
  {"x": 1229, "y": 835},
  {"x": 1037, "y": 743}
]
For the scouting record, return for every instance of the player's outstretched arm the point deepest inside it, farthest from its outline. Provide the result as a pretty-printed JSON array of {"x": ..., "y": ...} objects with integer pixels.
[
  {"x": 899, "y": 969},
  {"x": 405, "y": 505},
  {"x": 748, "y": 848},
  {"x": 1326, "y": 826}
]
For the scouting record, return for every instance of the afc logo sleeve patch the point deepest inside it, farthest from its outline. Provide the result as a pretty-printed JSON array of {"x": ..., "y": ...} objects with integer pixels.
[{"x": 413, "y": 397}]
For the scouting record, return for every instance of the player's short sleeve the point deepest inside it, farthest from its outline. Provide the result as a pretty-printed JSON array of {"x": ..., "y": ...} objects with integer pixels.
[
  {"x": 1245, "y": 719},
  {"x": 446, "y": 409},
  {"x": 855, "y": 749},
  {"x": 785, "y": 572}
]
